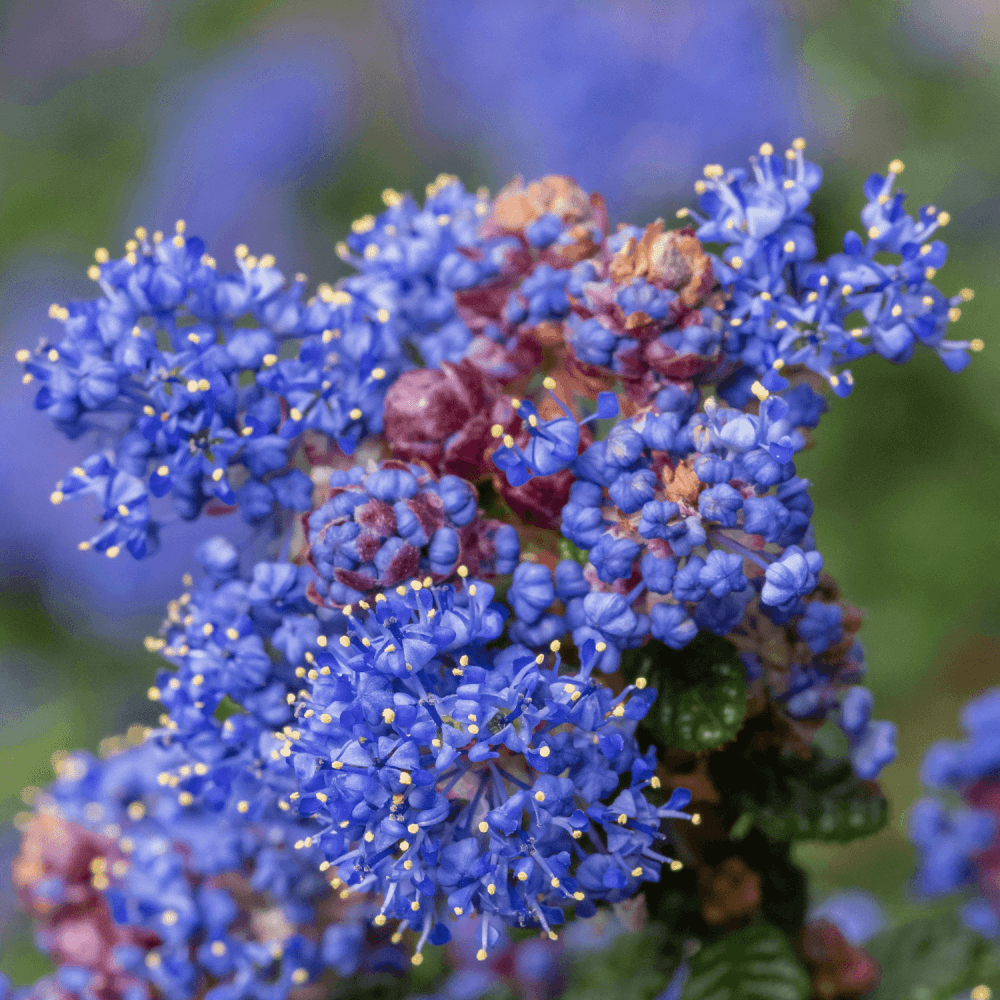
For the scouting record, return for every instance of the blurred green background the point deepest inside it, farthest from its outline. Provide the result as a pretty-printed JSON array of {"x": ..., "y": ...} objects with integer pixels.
[{"x": 905, "y": 471}]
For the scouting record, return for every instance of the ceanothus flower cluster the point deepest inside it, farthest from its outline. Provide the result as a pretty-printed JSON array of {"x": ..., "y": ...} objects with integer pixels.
[
  {"x": 145, "y": 889},
  {"x": 520, "y": 448},
  {"x": 452, "y": 779},
  {"x": 957, "y": 847}
]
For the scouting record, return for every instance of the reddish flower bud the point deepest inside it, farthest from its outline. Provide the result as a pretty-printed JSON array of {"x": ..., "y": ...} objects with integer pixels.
[
  {"x": 837, "y": 969},
  {"x": 443, "y": 418},
  {"x": 58, "y": 876}
]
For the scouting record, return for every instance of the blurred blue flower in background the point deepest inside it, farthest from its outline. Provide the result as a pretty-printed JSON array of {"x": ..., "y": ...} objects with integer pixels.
[
  {"x": 237, "y": 139},
  {"x": 857, "y": 914},
  {"x": 628, "y": 98}
]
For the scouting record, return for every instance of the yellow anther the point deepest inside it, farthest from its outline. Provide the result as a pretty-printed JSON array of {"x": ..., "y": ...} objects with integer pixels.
[
  {"x": 544, "y": 751},
  {"x": 929, "y": 273},
  {"x": 378, "y": 374},
  {"x": 554, "y": 882},
  {"x": 798, "y": 144},
  {"x": 549, "y": 382},
  {"x": 391, "y": 198},
  {"x": 766, "y": 149},
  {"x": 415, "y": 905},
  {"x": 713, "y": 170},
  {"x": 123, "y": 510},
  {"x": 788, "y": 183},
  {"x": 981, "y": 992},
  {"x": 481, "y": 955},
  {"x": 975, "y": 345},
  {"x": 700, "y": 187},
  {"x": 404, "y": 778},
  {"x": 204, "y": 385},
  {"x": 299, "y": 976},
  {"x": 217, "y": 474},
  {"x": 943, "y": 218},
  {"x": 388, "y": 714},
  {"x": 192, "y": 385},
  {"x": 185, "y": 798},
  {"x": 619, "y": 710},
  {"x": 539, "y": 796},
  {"x": 790, "y": 246},
  {"x": 241, "y": 251},
  {"x": 555, "y": 645},
  {"x": 622, "y": 819},
  {"x": 954, "y": 314},
  {"x": 363, "y": 225},
  {"x": 56, "y": 496},
  {"x": 600, "y": 647},
  {"x": 93, "y": 272},
  {"x": 637, "y": 871},
  {"x": 404, "y": 845},
  {"x": 344, "y": 641},
  {"x": 508, "y": 441},
  {"x": 496, "y": 430},
  {"x": 112, "y": 553},
  {"x": 295, "y": 413},
  {"x": 382, "y": 315},
  {"x": 152, "y": 960},
  {"x": 873, "y": 232},
  {"x": 371, "y": 251},
  {"x": 696, "y": 818},
  {"x": 682, "y": 213},
  {"x": 967, "y": 294},
  {"x": 766, "y": 296},
  {"x": 522, "y": 876},
  {"x": 676, "y": 866},
  {"x": 896, "y": 167},
  {"x": 928, "y": 301},
  {"x": 355, "y": 414},
  {"x": 759, "y": 391}
]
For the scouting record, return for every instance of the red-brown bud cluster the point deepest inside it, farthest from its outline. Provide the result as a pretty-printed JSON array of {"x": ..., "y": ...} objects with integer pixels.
[
  {"x": 59, "y": 875},
  {"x": 442, "y": 417},
  {"x": 838, "y": 970}
]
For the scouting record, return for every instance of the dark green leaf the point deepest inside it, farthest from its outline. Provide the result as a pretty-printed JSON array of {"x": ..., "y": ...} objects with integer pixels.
[
  {"x": 635, "y": 967},
  {"x": 793, "y": 799},
  {"x": 701, "y": 699},
  {"x": 933, "y": 960},
  {"x": 755, "y": 963}
]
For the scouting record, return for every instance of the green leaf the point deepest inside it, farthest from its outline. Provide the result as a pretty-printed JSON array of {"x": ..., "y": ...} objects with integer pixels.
[
  {"x": 789, "y": 798},
  {"x": 636, "y": 966},
  {"x": 567, "y": 550},
  {"x": 755, "y": 963},
  {"x": 701, "y": 689},
  {"x": 933, "y": 960}
]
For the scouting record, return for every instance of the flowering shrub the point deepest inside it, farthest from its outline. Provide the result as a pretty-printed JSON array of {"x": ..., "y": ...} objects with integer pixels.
[{"x": 532, "y": 629}]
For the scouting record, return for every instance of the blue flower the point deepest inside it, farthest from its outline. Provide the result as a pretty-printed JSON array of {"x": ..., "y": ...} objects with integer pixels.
[
  {"x": 791, "y": 577},
  {"x": 531, "y": 591}
]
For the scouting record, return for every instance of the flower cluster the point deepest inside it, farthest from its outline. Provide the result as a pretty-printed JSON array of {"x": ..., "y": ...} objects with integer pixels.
[
  {"x": 140, "y": 891},
  {"x": 521, "y": 448},
  {"x": 397, "y": 523},
  {"x": 958, "y": 847}
]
